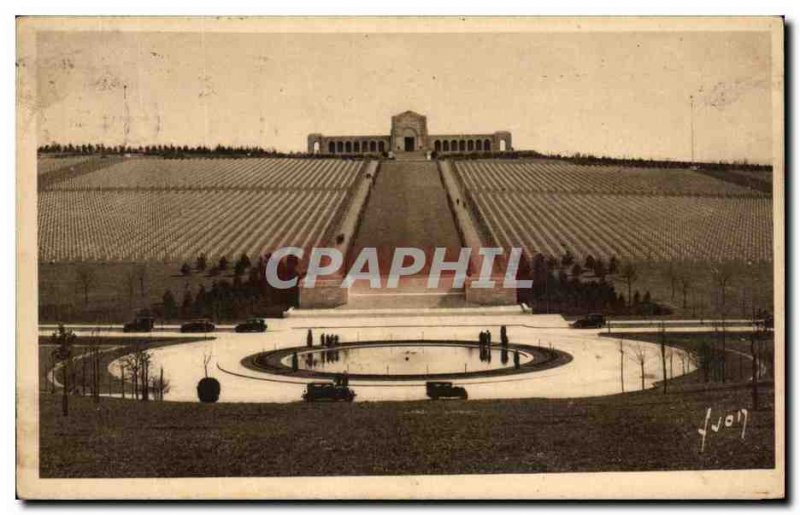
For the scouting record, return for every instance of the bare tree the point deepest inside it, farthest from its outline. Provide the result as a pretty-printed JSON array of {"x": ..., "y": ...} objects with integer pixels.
[
  {"x": 136, "y": 362},
  {"x": 663, "y": 343},
  {"x": 724, "y": 355},
  {"x": 122, "y": 379},
  {"x": 722, "y": 275},
  {"x": 93, "y": 358},
  {"x": 629, "y": 275},
  {"x": 45, "y": 373},
  {"x": 670, "y": 357},
  {"x": 622, "y": 365},
  {"x": 53, "y": 372},
  {"x": 130, "y": 364},
  {"x": 685, "y": 283},
  {"x": 754, "y": 354},
  {"x": 83, "y": 375},
  {"x": 639, "y": 357},
  {"x": 206, "y": 361},
  {"x": 86, "y": 280},
  {"x": 672, "y": 275},
  {"x": 159, "y": 386},
  {"x": 756, "y": 358},
  {"x": 684, "y": 357},
  {"x": 64, "y": 340},
  {"x": 130, "y": 286},
  {"x": 144, "y": 360},
  {"x": 141, "y": 277}
]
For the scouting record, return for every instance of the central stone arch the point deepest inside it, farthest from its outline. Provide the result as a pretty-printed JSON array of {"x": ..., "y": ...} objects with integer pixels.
[
  {"x": 410, "y": 139},
  {"x": 409, "y": 132}
]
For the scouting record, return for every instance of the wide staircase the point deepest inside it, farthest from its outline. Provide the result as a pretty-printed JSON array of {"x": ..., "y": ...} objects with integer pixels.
[
  {"x": 407, "y": 208},
  {"x": 417, "y": 155}
]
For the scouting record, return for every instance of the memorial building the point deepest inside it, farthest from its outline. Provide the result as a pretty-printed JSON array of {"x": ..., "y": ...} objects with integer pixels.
[{"x": 409, "y": 133}]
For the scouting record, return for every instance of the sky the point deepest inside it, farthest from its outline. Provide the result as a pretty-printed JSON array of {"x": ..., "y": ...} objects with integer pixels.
[{"x": 602, "y": 93}]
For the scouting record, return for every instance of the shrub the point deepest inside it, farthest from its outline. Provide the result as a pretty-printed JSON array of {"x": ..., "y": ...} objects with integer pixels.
[
  {"x": 208, "y": 390},
  {"x": 201, "y": 263}
]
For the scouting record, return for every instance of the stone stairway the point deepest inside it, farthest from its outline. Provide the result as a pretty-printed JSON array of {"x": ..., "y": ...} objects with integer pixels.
[
  {"x": 407, "y": 208},
  {"x": 417, "y": 155}
]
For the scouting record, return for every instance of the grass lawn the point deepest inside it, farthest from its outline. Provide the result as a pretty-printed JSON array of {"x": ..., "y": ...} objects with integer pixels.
[
  {"x": 110, "y": 299},
  {"x": 737, "y": 365},
  {"x": 636, "y": 431},
  {"x": 111, "y": 349},
  {"x": 749, "y": 284}
]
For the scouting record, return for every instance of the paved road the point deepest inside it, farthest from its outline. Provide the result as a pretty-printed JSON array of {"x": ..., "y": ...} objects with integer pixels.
[{"x": 593, "y": 371}]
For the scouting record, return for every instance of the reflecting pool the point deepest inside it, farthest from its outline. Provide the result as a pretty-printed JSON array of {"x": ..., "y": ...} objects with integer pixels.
[{"x": 407, "y": 359}]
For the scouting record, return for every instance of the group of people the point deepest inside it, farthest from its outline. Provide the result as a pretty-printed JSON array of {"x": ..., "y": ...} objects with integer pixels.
[
  {"x": 329, "y": 342},
  {"x": 485, "y": 345}
]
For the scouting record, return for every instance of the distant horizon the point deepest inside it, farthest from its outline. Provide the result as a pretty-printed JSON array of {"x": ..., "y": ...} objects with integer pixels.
[
  {"x": 272, "y": 150},
  {"x": 613, "y": 94}
]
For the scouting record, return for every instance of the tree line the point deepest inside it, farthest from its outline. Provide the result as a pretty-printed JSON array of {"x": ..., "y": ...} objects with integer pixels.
[
  {"x": 565, "y": 285},
  {"x": 592, "y": 160},
  {"x": 178, "y": 151},
  {"x": 247, "y": 294},
  {"x": 82, "y": 374}
]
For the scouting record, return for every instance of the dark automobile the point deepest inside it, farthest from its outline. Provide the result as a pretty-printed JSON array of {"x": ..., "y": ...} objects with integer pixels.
[
  {"x": 202, "y": 325},
  {"x": 766, "y": 323},
  {"x": 139, "y": 325},
  {"x": 327, "y": 392},
  {"x": 593, "y": 320},
  {"x": 252, "y": 325},
  {"x": 444, "y": 390}
]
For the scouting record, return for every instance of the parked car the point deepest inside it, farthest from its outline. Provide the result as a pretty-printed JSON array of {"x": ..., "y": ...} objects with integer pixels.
[
  {"x": 444, "y": 390},
  {"x": 139, "y": 324},
  {"x": 766, "y": 323},
  {"x": 252, "y": 325},
  {"x": 593, "y": 320},
  {"x": 202, "y": 325},
  {"x": 327, "y": 392}
]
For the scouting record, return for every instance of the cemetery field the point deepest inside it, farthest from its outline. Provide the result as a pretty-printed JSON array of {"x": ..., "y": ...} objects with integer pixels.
[
  {"x": 550, "y": 207},
  {"x": 148, "y": 209}
]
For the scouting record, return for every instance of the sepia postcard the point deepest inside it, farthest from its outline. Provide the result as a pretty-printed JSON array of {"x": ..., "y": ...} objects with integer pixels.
[{"x": 400, "y": 258}]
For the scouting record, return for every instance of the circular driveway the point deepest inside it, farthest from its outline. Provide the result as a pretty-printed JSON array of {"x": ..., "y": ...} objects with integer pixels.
[{"x": 593, "y": 371}]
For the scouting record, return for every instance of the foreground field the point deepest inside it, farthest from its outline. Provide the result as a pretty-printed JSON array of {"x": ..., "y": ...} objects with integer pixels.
[
  {"x": 641, "y": 431},
  {"x": 644, "y": 430}
]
